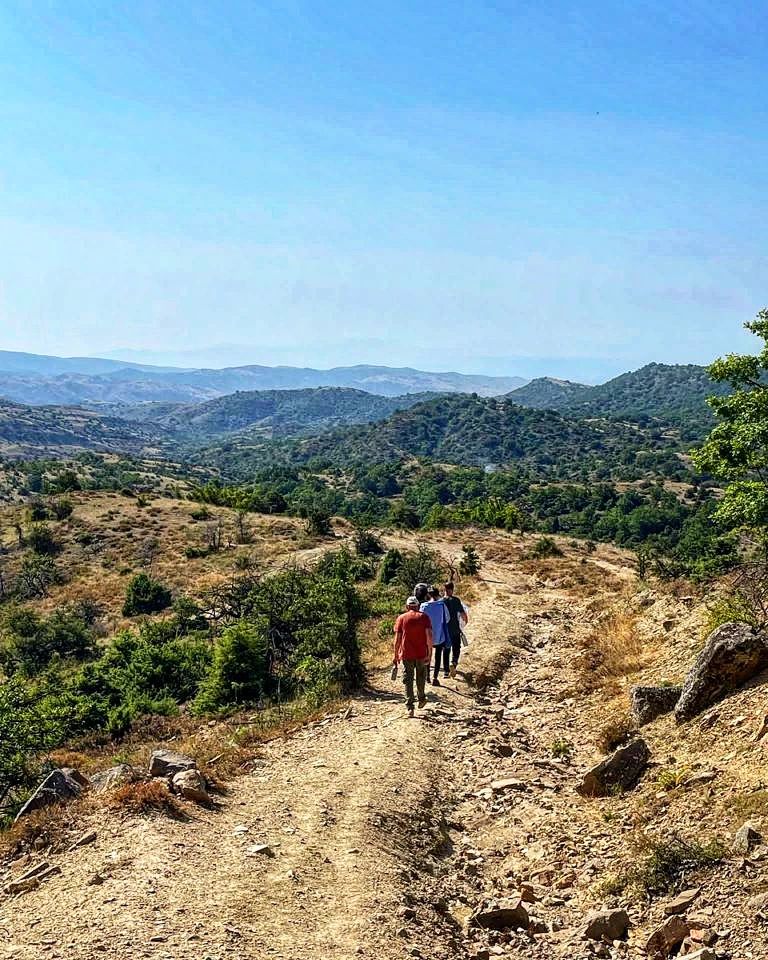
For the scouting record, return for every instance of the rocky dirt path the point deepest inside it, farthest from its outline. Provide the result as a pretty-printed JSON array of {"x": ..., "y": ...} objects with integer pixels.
[{"x": 374, "y": 829}]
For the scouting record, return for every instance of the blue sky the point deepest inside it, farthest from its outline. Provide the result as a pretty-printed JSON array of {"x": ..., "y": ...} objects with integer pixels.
[{"x": 499, "y": 187}]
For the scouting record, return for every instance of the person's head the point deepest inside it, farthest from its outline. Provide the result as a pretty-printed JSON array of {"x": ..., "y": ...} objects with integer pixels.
[
  {"x": 412, "y": 603},
  {"x": 421, "y": 591},
  {"x": 434, "y": 593},
  {"x": 448, "y": 587}
]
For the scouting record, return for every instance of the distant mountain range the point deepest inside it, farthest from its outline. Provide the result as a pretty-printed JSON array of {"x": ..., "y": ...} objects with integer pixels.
[
  {"x": 650, "y": 408},
  {"x": 35, "y": 379}
]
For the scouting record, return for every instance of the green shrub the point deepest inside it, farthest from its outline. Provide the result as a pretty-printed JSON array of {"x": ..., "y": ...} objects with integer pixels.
[
  {"x": 367, "y": 544},
  {"x": 41, "y": 540},
  {"x": 239, "y": 670},
  {"x": 37, "y": 574},
  {"x": 26, "y": 731},
  {"x": 545, "y": 547},
  {"x": 658, "y": 863},
  {"x": 318, "y": 523},
  {"x": 390, "y": 565},
  {"x": 144, "y": 596},
  {"x": 422, "y": 565},
  {"x": 37, "y": 511},
  {"x": 28, "y": 642},
  {"x": 61, "y": 508}
]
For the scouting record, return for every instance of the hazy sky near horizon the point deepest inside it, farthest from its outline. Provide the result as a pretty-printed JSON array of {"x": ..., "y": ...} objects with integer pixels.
[{"x": 498, "y": 187}]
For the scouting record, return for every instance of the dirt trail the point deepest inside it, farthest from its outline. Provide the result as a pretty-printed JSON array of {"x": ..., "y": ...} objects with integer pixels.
[{"x": 351, "y": 809}]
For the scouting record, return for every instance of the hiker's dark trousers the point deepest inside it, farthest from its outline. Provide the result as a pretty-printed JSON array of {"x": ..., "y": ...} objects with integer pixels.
[
  {"x": 455, "y": 650},
  {"x": 442, "y": 655},
  {"x": 415, "y": 669}
]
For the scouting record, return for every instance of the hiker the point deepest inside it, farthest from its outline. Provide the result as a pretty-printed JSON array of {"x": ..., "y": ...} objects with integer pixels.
[
  {"x": 413, "y": 648},
  {"x": 421, "y": 592},
  {"x": 438, "y": 614},
  {"x": 457, "y": 618}
]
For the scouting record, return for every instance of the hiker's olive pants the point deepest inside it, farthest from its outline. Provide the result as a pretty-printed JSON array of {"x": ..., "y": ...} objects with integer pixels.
[{"x": 417, "y": 669}]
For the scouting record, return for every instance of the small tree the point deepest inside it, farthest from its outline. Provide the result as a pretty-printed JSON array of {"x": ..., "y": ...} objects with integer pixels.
[
  {"x": 390, "y": 565},
  {"x": 367, "y": 544},
  {"x": 737, "y": 448},
  {"x": 470, "y": 563},
  {"x": 36, "y": 576},
  {"x": 144, "y": 596},
  {"x": 318, "y": 522}
]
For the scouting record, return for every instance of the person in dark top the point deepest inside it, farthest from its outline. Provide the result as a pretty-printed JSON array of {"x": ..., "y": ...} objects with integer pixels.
[
  {"x": 458, "y": 618},
  {"x": 421, "y": 592}
]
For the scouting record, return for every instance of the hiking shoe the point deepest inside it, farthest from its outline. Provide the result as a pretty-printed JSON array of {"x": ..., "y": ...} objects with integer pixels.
[
  {"x": 422, "y": 703},
  {"x": 452, "y": 671},
  {"x": 446, "y": 675},
  {"x": 436, "y": 682},
  {"x": 410, "y": 711}
]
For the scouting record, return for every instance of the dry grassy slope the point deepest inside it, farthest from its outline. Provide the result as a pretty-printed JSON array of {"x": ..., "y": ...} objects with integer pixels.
[
  {"x": 110, "y": 537},
  {"x": 353, "y": 807}
]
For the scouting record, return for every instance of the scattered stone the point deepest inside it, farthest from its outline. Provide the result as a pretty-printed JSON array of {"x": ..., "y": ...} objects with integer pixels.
[
  {"x": 704, "y": 776},
  {"x": 648, "y": 703},
  {"x": 192, "y": 786},
  {"x": 667, "y": 938},
  {"x": 759, "y": 903},
  {"x": 166, "y": 763},
  {"x": 89, "y": 837},
  {"x": 705, "y": 954},
  {"x": 502, "y": 786},
  {"x": 620, "y": 771},
  {"x": 95, "y": 880},
  {"x": 260, "y": 850},
  {"x": 58, "y": 786},
  {"x": 606, "y": 925},
  {"x": 733, "y": 653},
  {"x": 502, "y": 914},
  {"x": 746, "y": 837},
  {"x": 32, "y": 879},
  {"x": 115, "y": 777},
  {"x": 681, "y": 902}
]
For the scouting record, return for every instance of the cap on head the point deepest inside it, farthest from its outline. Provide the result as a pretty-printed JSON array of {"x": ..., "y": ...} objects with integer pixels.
[{"x": 411, "y": 602}]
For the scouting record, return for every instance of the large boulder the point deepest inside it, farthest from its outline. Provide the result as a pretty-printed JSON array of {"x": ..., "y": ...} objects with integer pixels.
[
  {"x": 665, "y": 939},
  {"x": 620, "y": 771},
  {"x": 191, "y": 785},
  {"x": 501, "y": 915},
  {"x": 647, "y": 703},
  {"x": 166, "y": 763},
  {"x": 733, "y": 654},
  {"x": 58, "y": 787},
  {"x": 115, "y": 776},
  {"x": 606, "y": 925}
]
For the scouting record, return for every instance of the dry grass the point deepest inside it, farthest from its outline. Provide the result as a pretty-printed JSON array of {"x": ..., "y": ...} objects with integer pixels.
[
  {"x": 611, "y": 652},
  {"x": 615, "y": 732},
  {"x": 109, "y": 537},
  {"x": 143, "y": 798},
  {"x": 51, "y": 829}
]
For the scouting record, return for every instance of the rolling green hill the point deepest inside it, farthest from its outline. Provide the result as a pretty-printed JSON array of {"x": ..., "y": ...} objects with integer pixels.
[
  {"x": 672, "y": 394},
  {"x": 271, "y": 413},
  {"x": 477, "y": 431}
]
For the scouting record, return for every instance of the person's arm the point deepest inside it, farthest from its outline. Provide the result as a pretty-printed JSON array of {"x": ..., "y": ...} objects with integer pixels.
[
  {"x": 464, "y": 615},
  {"x": 429, "y": 644},
  {"x": 398, "y": 643}
]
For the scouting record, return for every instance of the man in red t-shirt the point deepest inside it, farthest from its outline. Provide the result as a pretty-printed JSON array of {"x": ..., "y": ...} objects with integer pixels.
[{"x": 413, "y": 648}]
